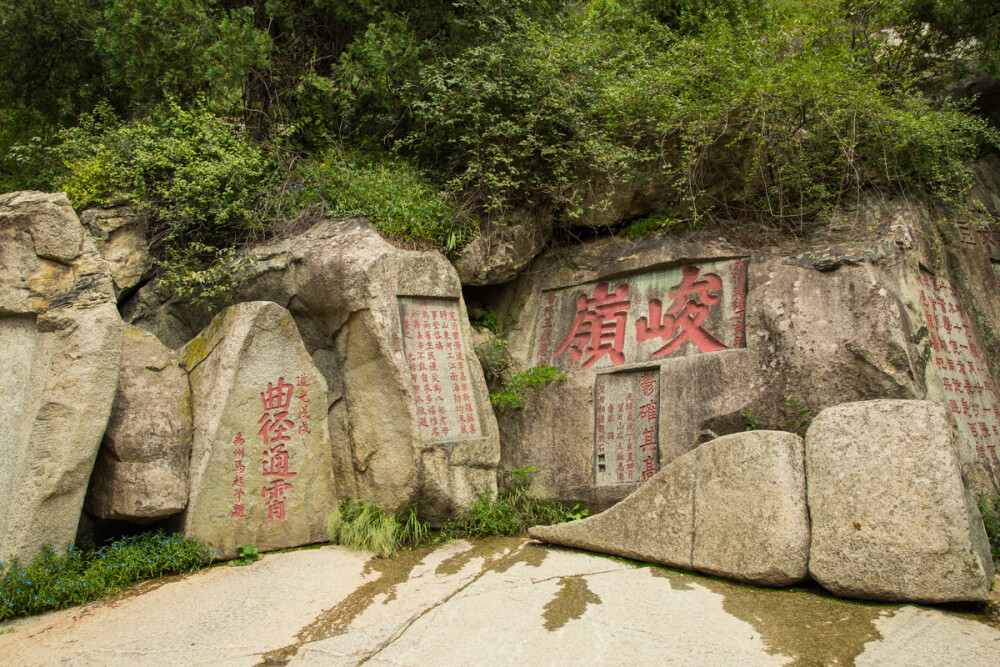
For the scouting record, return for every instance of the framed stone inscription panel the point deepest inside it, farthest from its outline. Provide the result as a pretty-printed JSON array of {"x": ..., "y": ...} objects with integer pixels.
[
  {"x": 626, "y": 426},
  {"x": 680, "y": 311},
  {"x": 436, "y": 357}
]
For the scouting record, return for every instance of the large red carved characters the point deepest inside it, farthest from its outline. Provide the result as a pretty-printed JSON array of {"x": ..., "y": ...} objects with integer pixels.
[
  {"x": 685, "y": 316},
  {"x": 694, "y": 309},
  {"x": 599, "y": 327}
]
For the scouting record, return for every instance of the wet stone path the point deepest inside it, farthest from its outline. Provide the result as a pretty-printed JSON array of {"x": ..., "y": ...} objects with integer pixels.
[{"x": 503, "y": 601}]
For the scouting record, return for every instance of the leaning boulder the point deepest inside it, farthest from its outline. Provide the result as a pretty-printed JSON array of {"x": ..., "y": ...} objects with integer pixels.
[
  {"x": 261, "y": 472},
  {"x": 891, "y": 517},
  {"x": 733, "y": 507},
  {"x": 60, "y": 348},
  {"x": 141, "y": 472}
]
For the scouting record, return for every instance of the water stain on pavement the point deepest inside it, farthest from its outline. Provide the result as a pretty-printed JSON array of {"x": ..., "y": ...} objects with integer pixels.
[
  {"x": 570, "y": 602},
  {"x": 806, "y": 624}
]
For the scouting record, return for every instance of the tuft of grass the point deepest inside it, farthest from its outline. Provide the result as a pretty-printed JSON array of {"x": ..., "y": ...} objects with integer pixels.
[
  {"x": 57, "y": 580},
  {"x": 362, "y": 526}
]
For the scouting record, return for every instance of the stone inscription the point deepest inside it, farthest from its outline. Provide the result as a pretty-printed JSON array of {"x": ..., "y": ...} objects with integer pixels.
[
  {"x": 961, "y": 368},
  {"x": 988, "y": 235},
  {"x": 687, "y": 310},
  {"x": 626, "y": 431},
  {"x": 432, "y": 342},
  {"x": 285, "y": 415}
]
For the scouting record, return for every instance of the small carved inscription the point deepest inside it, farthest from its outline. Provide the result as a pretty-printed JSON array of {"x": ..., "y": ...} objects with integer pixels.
[
  {"x": 693, "y": 309},
  {"x": 432, "y": 342},
  {"x": 960, "y": 362},
  {"x": 626, "y": 432}
]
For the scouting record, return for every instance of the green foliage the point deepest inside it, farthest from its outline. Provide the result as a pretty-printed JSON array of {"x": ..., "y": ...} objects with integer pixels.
[
  {"x": 488, "y": 322},
  {"x": 750, "y": 422},
  {"x": 513, "y": 391},
  {"x": 193, "y": 175},
  {"x": 362, "y": 526},
  {"x": 57, "y": 580},
  {"x": 248, "y": 554},
  {"x": 393, "y": 194},
  {"x": 660, "y": 222},
  {"x": 513, "y": 512},
  {"x": 798, "y": 422},
  {"x": 989, "y": 507}
]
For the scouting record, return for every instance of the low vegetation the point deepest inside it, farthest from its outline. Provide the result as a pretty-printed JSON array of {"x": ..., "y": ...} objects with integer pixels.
[
  {"x": 228, "y": 121},
  {"x": 56, "y": 580},
  {"x": 362, "y": 526}
]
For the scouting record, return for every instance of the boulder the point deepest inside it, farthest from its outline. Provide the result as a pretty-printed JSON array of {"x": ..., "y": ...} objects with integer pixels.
[
  {"x": 409, "y": 413},
  {"x": 261, "y": 471},
  {"x": 500, "y": 252},
  {"x": 891, "y": 517},
  {"x": 120, "y": 236},
  {"x": 60, "y": 349},
  {"x": 733, "y": 507},
  {"x": 141, "y": 472}
]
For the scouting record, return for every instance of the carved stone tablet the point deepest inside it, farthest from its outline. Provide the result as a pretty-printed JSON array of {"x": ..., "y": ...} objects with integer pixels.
[
  {"x": 626, "y": 437},
  {"x": 681, "y": 311},
  {"x": 432, "y": 341}
]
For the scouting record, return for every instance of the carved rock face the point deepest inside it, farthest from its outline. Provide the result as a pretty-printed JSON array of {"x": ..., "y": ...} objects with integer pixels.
[
  {"x": 141, "y": 472},
  {"x": 60, "y": 350},
  {"x": 409, "y": 414},
  {"x": 260, "y": 464}
]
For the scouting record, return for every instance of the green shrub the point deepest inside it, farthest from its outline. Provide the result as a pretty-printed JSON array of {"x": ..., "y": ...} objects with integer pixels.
[
  {"x": 394, "y": 195},
  {"x": 57, "y": 580},
  {"x": 191, "y": 173},
  {"x": 513, "y": 390},
  {"x": 512, "y": 512}
]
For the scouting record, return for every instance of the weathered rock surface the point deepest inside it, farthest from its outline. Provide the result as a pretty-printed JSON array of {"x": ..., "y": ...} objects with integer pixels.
[
  {"x": 409, "y": 413},
  {"x": 120, "y": 236},
  {"x": 734, "y": 507},
  {"x": 499, "y": 253},
  {"x": 891, "y": 517},
  {"x": 60, "y": 348},
  {"x": 735, "y": 337},
  {"x": 141, "y": 471},
  {"x": 261, "y": 472}
]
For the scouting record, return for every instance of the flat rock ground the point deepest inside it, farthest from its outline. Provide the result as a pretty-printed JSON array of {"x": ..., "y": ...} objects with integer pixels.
[{"x": 504, "y": 601}]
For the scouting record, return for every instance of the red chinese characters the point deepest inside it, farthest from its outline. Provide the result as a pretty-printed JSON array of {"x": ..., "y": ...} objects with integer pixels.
[
  {"x": 614, "y": 323},
  {"x": 441, "y": 386},
  {"x": 599, "y": 327},
  {"x": 685, "y": 316},
  {"x": 239, "y": 511},
  {"x": 961, "y": 369},
  {"x": 276, "y": 427},
  {"x": 626, "y": 416}
]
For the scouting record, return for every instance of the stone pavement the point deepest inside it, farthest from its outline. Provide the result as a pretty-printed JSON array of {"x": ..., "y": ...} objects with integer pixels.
[{"x": 504, "y": 601}]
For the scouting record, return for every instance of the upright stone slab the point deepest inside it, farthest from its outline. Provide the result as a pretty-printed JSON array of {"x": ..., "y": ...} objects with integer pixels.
[
  {"x": 261, "y": 471},
  {"x": 141, "y": 472},
  {"x": 891, "y": 517},
  {"x": 733, "y": 507},
  {"x": 60, "y": 348}
]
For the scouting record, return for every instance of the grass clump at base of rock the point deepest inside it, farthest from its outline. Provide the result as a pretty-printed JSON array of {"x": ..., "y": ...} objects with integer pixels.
[
  {"x": 362, "y": 526},
  {"x": 57, "y": 580}
]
